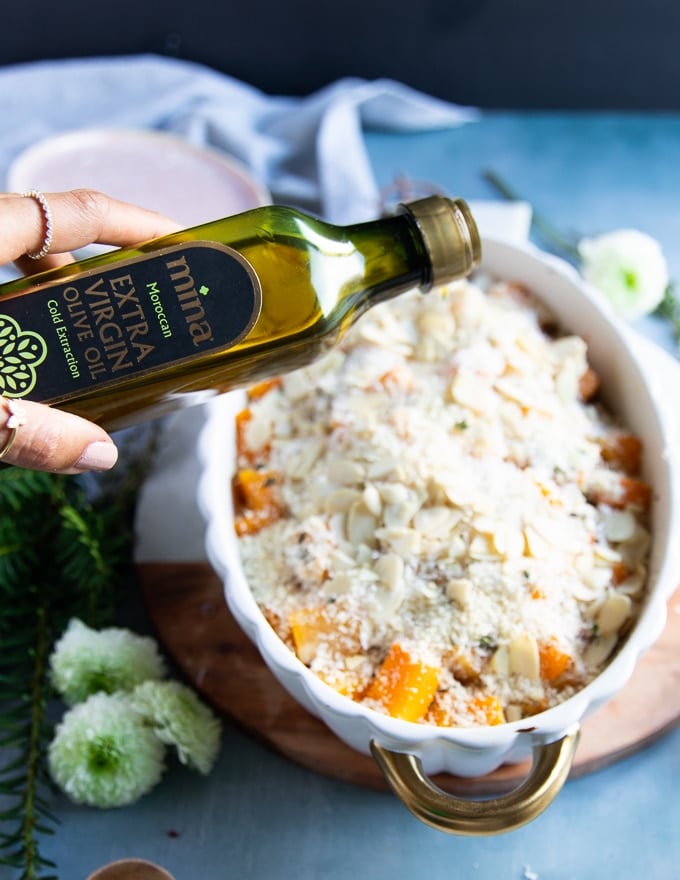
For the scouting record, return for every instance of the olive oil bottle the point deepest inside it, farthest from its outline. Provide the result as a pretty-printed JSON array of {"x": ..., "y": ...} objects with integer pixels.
[{"x": 137, "y": 332}]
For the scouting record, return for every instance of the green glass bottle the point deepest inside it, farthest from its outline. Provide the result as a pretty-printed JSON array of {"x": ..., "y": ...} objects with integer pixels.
[{"x": 137, "y": 332}]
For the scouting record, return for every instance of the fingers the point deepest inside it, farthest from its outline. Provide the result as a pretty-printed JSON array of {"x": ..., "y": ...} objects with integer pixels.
[
  {"x": 47, "y": 439},
  {"x": 33, "y": 435},
  {"x": 51, "y": 261},
  {"x": 79, "y": 217}
]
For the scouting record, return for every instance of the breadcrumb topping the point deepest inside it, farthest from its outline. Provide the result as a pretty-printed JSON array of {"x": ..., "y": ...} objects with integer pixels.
[{"x": 439, "y": 517}]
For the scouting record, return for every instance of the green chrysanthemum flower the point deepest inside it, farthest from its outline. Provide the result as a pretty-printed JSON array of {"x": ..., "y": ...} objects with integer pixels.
[
  {"x": 87, "y": 661},
  {"x": 179, "y": 718},
  {"x": 103, "y": 754}
]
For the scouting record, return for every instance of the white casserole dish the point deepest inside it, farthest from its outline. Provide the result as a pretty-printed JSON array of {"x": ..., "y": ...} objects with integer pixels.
[{"x": 409, "y": 753}]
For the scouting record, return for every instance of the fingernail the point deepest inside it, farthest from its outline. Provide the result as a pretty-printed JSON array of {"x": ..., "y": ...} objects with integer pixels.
[{"x": 98, "y": 456}]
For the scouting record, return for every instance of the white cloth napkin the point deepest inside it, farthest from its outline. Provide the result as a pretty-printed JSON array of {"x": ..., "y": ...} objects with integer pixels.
[{"x": 309, "y": 151}]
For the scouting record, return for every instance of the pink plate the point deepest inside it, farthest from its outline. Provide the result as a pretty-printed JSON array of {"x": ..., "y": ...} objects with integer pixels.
[{"x": 191, "y": 184}]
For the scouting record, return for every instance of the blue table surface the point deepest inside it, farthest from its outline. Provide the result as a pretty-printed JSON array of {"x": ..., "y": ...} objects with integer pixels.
[{"x": 260, "y": 816}]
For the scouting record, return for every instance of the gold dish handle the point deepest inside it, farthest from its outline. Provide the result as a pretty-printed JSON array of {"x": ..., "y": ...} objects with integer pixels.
[{"x": 446, "y": 812}]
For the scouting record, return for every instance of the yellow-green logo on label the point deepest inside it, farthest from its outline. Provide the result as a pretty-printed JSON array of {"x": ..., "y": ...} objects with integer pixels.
[{"x": 21, "y": 351}]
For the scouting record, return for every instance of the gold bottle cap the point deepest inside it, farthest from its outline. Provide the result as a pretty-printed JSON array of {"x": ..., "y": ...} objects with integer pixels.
[{"x": 450, "y": 234}]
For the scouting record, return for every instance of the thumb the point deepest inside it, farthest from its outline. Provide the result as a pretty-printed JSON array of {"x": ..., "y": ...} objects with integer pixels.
[{"x": 33, "y": 435}]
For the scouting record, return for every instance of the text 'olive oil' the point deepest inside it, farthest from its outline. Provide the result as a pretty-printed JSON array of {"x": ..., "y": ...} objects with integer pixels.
[{"x": 137, "y": 332}]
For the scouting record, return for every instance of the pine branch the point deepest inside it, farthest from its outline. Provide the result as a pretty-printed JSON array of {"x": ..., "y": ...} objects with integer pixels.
[
  {"x": 61, "y": 556},
  {"x": 32, "y": 812}
]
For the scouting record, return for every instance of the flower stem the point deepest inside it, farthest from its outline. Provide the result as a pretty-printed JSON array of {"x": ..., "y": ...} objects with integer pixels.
[
  {"x": 669, "y": 310},
  {"x": 559, "y": 241},
  {"x": 35, "y": 746}
]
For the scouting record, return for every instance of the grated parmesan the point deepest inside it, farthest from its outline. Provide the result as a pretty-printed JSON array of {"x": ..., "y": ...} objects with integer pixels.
[{"x": 442, "y": 484}]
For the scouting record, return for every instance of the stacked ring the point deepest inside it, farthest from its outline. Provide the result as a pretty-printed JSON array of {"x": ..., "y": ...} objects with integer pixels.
[
  {"x": 47, "y": 215},
  {"x": 15, "y": 419}
]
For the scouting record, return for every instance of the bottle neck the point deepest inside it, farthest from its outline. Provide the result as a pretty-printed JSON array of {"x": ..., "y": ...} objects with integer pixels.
[
  {"x": 395, "y": 258},
  {"x": 431, "y": 241}
]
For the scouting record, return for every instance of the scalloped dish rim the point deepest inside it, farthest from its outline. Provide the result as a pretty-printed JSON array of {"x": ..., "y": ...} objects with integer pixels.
[{"x": 472, "y": 751}]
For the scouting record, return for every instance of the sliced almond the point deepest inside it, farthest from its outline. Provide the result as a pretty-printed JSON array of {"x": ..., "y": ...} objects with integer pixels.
[
  {"x": 340, "y": 500},
  {"x": 345, "y": 472},
  {"x": 297, "y": 385},
  {"x": 339, "y": 585},
  {"x": 457, "y": 547},
  {"x": 613, "y": 613},
  {"x": 437, "y": 521},
  {"x": 513, "y": 712},
  {"x": 536, "y": 545},
  {"x": 390, "y": 569},
  {"x": 459, "y": 589},
  {"x": 524, "y": 658},
  {"x": 481, "y": 548},
  {"x": 300, "y": 463},
  {"x": 604, "y": 555},
  {"x": 632, "y": 585},
  {"x": 500, "y": 661},
  {"x": 372, "y": 500},
  {"x": 508, "y": 542},
  {"x": 403, "y": 541},
  {"x": 599, "y": 650},
  {"x": 619, "y": 526},
  {"x": 258, "y": 432},
  {"x": 360, "y": 525},
  {"x": 472, "y": 392},
  {"x": 393, "y": 493},
  {"x": 437, "y": 323}
]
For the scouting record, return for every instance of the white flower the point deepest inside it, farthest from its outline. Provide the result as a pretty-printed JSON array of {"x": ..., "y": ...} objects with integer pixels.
[
  {"x": 179, "y": 718},
  {"x": 103, "y": 754},
  {"x": 86, "y": 661},
  {"x": 629, "y": 268}
]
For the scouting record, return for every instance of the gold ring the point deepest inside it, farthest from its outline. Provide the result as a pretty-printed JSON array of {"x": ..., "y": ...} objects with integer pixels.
[
  {"x": 15, "y": 419},
  {"x": 47, "y": 216}
]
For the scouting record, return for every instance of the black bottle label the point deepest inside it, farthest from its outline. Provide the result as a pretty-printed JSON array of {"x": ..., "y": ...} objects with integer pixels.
[{"x": 116, "y": 322}]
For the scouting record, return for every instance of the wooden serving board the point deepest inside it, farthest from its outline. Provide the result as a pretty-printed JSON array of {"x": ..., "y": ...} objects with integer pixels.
[{"x": 187, "y": 609}]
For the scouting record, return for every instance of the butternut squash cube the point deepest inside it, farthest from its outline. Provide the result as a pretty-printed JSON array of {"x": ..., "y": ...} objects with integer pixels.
[
  {"x": 258, "y": 500},
  {"x": 310, "y": 627},
  {"x": 487, "y": 709},
  {"x": 622, "y": 451},
  {"x": 554, "y": 662},
  {"x": 404, "y": 686},
  {"x": 255, "y": 392},
  {"x": 329, "y": 627}
]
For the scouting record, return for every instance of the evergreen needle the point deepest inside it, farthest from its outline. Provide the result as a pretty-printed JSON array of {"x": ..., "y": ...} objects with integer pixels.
[{"x": 62, "y": 555}]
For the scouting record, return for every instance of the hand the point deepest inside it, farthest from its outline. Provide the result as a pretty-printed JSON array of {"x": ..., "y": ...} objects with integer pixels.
[{"x": 49, "y": 439}]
